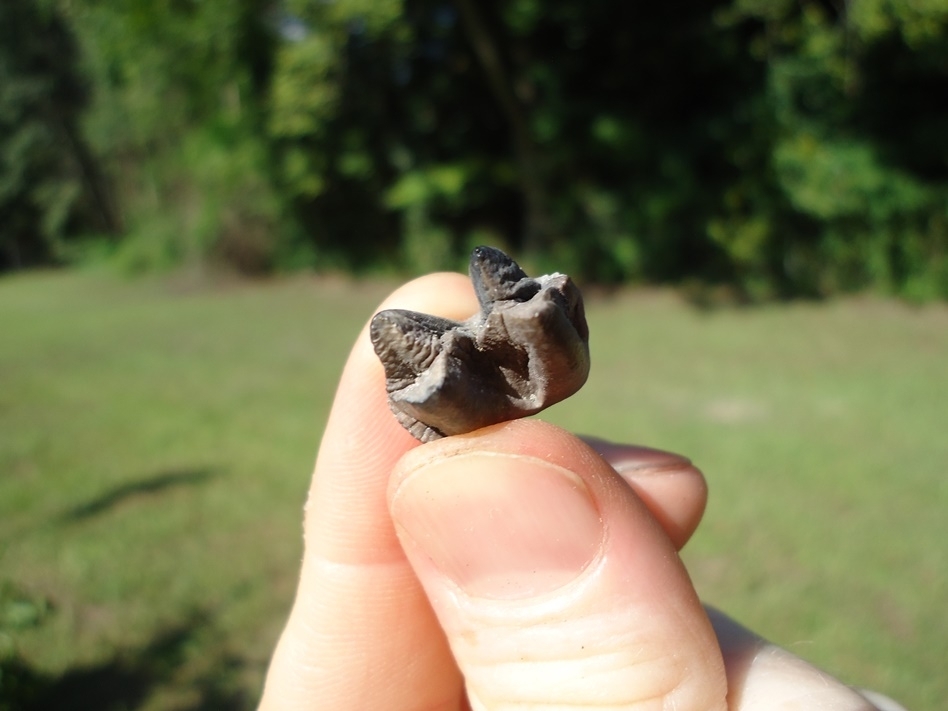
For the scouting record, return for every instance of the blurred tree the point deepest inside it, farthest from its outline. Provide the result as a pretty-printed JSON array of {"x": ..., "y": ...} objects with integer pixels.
[
  {"x": 574, "y": 131},
  {"x": 858, "y": 95},
  {"x": 177, "y": 117},
  {"x": 780, "y": 147},
  {"x": 50, "y": 184}
]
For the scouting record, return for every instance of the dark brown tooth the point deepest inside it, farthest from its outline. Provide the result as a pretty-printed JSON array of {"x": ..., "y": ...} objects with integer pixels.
[{"x": 527, "y": 349}]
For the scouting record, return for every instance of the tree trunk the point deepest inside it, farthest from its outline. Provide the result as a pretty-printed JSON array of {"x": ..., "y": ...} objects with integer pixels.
[{"x": 538, "y": 225}]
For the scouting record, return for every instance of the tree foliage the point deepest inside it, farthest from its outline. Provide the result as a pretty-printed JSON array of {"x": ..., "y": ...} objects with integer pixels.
[
  {"x": 179, "y": 99},
  {"x": 50, "y": 184},
  {"x": 784, "y": 148}
]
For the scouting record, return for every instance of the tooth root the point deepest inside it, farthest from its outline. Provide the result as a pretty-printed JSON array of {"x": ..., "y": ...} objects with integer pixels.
[
  {"x": 495, "y": 275},
  {"x": 406, "y": 342}
]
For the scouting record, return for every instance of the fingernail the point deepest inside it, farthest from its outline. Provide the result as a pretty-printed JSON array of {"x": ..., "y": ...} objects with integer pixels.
[
  {"x": 651, "y": 461},
  {"x": 635, "y": 460},
  {"x": 500, "y": 526}
]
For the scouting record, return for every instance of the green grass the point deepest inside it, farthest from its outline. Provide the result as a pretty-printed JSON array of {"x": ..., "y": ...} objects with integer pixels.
[{"x": 156, "y": 443}]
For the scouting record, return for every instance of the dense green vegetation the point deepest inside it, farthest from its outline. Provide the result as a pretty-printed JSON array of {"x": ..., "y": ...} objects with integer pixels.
[
  {"x": 782, "y": 147},
  {"x": 156, "y": 441}
]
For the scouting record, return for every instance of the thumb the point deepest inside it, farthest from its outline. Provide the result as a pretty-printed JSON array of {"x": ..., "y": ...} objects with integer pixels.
[{"x": 555, "y": 586}]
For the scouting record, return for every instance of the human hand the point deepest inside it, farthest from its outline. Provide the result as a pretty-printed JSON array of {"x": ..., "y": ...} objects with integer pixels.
[{"x": 515, "y": 567}]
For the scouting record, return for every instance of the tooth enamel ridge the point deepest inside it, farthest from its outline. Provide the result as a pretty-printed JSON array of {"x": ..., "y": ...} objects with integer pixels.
[{"x": 526, "y": 349}]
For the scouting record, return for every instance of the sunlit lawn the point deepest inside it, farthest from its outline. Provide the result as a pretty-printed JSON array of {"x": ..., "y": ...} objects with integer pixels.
[{"x": 156, "y": 441}]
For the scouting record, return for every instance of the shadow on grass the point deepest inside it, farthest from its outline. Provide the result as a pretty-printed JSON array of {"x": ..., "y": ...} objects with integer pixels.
[
  {"x": 151, "y": 485},
  {"x": 127, "y": 680}
]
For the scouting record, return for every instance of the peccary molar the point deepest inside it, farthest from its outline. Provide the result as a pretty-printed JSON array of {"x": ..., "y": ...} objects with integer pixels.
[{"x": 526, "y": 349}]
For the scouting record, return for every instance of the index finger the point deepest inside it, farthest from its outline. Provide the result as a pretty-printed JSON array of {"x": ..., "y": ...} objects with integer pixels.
[
  {"x": 360, "y": 613},
  {"x": 347, "y": 518}
]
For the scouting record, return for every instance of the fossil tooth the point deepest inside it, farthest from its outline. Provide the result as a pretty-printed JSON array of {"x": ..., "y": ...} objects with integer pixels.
[{"x": 527, "y": 349}]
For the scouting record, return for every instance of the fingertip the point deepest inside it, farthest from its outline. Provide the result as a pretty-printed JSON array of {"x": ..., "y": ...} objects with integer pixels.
[
  {"x": 445, "y": 294},
  {"x": 346, "y": 514},
  {"x": 359, "y": 605},
  {"x": 674, "y": 490}
]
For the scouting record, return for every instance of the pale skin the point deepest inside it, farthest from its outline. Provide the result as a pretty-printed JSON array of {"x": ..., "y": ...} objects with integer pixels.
[{"x": 517, "y": 567}]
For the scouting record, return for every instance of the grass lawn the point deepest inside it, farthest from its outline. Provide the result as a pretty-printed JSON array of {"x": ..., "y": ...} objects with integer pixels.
[{"x": 156, "y": 442}]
